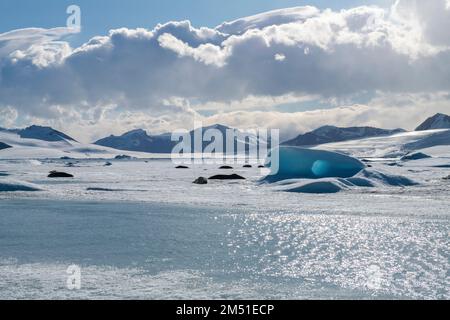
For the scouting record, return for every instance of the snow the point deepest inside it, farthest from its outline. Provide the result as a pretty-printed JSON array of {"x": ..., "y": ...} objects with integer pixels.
[
  {"x": 140, "y": 229},
  {"x": 364, "y": 179},
  {"x": 394, "y": 146},
  {"x": 294, "y": 162},
  {"x": 25, "y": 148}
]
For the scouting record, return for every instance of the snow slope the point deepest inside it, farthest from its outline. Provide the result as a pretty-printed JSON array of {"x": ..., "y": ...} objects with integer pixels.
[
  {"x": 328, "y": 134},
  {"x": 394, "y": 146},
  {"x": 25, "y": 148}
]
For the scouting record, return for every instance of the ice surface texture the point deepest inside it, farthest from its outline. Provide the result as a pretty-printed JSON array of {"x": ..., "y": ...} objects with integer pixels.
[{"x": 299, "y": 163}]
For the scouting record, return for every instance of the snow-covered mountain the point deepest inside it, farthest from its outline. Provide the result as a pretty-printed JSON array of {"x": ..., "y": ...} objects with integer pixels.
[
  {"x": 13, "y": 145},
  {"x": 139, "y": 140},
  {"x": 438, "y": 121},
  {"x": 327, "y": 134},
  {"x": 40, "y": 133},
  {"x": 430, "y": 142}
]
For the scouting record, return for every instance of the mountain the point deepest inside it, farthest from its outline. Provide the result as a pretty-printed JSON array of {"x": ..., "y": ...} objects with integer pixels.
[
  {"x": 327, "y": 134},
  {"x": 40, "y": 133},
  {"x": 438, "y": 121},
  {"x": 140, "y": 140},
  {"x": 43, "y": 133}
]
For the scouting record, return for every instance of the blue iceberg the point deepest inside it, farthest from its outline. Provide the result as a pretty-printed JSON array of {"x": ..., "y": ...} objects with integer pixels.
[{"x": 298, "y": 163}]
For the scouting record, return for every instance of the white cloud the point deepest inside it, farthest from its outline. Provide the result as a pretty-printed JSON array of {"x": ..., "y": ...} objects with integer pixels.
[
  {"x": 8, "y": 116},
  {"x": 279, "y": 57},
  {"x": 163, "y": 74}
]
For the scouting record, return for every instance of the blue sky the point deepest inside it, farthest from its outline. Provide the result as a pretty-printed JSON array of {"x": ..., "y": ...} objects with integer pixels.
[{"x": 99, "y": 16}]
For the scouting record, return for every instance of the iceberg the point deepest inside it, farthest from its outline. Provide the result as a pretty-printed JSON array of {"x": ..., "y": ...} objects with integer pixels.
[{"x": 299, "y": 163}]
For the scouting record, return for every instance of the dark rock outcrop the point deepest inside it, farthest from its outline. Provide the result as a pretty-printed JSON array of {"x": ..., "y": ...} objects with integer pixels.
[
  {"x": 123, "y": 157},
  {"x": 57, "y": 174},
  {"x": 201, "y": 180},
  {"x": 4, "y": 146},
  {"x": 227, "y": 177}
]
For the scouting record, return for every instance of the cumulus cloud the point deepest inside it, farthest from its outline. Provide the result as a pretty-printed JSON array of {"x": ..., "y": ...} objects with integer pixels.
[{"x": 171, "y": 72}]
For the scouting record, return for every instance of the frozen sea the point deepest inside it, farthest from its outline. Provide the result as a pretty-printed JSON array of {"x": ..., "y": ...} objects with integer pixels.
[{"x": 142, "y": 230}]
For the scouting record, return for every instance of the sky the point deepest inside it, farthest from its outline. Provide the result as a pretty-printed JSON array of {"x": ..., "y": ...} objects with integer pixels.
[{"x": 158, "y": 65}]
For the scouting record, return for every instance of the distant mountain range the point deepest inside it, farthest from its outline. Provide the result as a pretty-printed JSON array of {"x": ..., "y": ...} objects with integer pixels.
[
  {"x": 139, "y": 140},
  {"x": 40, "y": 133},
  {"x": 327, "y": 134},
  {"x": 438, "y": 121}
]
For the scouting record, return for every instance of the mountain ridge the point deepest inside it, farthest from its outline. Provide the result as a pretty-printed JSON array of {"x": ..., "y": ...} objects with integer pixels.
[
  {"x": 438, "y": 121},
  {"x": 327, "y": 134}
]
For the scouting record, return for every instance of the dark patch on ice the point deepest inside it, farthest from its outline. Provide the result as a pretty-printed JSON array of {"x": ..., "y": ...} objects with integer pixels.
[
  {"x": 442, "y": 166},
  {"x": 247, "y": 166},
  {"x": 181, "y": 167},
  {"x": 226, "y": 167},
  {"x": 113, "y": 190},
  {"x": 394, "y": 164}
]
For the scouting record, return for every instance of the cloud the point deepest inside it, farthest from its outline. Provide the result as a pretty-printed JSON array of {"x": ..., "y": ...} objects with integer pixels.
[{"x": 173, "y": 71}]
